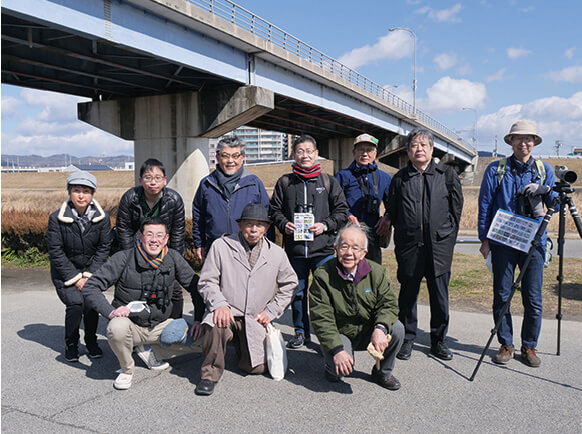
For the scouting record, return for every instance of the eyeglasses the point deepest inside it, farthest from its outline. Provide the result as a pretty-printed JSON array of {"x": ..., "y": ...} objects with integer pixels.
[
  {"x": 368, "y": 150},
  {"x": 149, "y": 178},
  {"x": 155, "y": 236},
  {"x": 343, "y": 247},
  {"x": 305, "y": 151},
  {"x": 226, "y": 156},
  {"x": 520, "y": 139}
]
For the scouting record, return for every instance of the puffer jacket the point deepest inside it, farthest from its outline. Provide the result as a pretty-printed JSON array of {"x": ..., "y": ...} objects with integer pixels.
[
  {"x": 213, "y": 214},
  {"x": 338, "y": 306},
  {"x": 130, "y": 215},
  {"x": 73, "y": 254},
  {"x": 329, "y": 207},
  {"x": 132, "y": 275}
]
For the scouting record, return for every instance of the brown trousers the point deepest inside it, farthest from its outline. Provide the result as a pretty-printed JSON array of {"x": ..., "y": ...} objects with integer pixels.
[{"x": 214, "y": 348}]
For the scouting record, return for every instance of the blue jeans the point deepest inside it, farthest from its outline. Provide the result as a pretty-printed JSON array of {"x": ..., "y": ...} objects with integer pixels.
[
  {"x": 504, "y": 261},
  {"x": 299, "y": 307}
]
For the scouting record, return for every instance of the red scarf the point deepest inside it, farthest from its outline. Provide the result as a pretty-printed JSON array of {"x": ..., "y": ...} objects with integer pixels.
[{"x": 312, "y": 172}]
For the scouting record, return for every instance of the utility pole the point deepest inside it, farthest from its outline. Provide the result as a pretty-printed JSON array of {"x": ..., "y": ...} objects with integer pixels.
[{"x": 495, "y": 149}]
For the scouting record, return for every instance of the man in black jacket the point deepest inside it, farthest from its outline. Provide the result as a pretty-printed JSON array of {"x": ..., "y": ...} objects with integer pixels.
[
  {"x": 425, "y": 204},
  {"x": 308, "y": 191},
  {"x": 143, "y": 274}
]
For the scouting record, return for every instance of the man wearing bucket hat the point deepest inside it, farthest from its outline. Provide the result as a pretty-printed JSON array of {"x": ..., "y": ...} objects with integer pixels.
[
  {"x": 519, "y": 184},
  {"x": 366, "y": 187},
  {"x": 246, "y": 282}
]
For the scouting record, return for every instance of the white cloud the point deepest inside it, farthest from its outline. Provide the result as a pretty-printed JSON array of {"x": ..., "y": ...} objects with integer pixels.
[
  {"x": 402, "y": 91},
  {"x": 442, "y": 15},
  {"x": 445, "y": 60},
  {"x": 569, "y": 53},
  {"x": 48, "y": 125},
  {"x": 497, "y": 76},
  {"x": 10, "y": 106},
  {"x": 515, "y": 53},
  {"x": 572, "y": 74},
  {"x": 393, "y": 45},
  {"x": 449, "y": 94},
  {"x": 556, "y": 118}
]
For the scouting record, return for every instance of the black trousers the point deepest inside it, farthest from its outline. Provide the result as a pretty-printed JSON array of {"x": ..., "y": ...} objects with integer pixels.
[
  {"x": 438, "y": 292},
  {"x": 73, "y": 315}
]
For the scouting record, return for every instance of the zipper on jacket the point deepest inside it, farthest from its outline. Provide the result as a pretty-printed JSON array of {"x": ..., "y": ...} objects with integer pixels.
[{"x": 305, "y": 207}]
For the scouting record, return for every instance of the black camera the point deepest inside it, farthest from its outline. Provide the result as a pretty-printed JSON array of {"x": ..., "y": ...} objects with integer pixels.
[
  {"x": 372, "y": 204},
  {"x": 155, "y": 296},
  {"x": 524, "y": 206}
]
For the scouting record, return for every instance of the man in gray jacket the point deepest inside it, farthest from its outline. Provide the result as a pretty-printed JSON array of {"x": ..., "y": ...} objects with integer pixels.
[
  {"x": 246, "y": 282},
  {"x": 144, "y": 280}
]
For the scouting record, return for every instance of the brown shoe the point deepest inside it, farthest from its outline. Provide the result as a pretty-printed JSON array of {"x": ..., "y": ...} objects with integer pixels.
[
  {"x": 504, "y": 355},
  {"x": 529, "y": 356}
]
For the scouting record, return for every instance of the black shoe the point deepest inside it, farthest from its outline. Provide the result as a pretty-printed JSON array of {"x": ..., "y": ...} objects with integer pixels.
[
  {"x": 72, "y": 353},
  {"x": 441, "y": 351},
  {"x": 387, "y": 382},
  {"x": 296, "y": 341},
  {"x": 205, "y": 388},
  {"x": 405, "y": 350},
  {"x": 331, "y": 377},
  {"x": 94, "y": 351}
]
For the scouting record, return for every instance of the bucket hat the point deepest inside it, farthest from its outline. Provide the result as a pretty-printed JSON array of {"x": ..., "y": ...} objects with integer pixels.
[
  {"x": 254, "y": 211},
  {"x": 82, "y": 178},
  {"x": 366, "y": 138},
  {"x": 524, "y": 127}
]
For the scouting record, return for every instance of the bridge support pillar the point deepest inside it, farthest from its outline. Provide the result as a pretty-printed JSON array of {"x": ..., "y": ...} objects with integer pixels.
[
  {"x": 338, "y": 149},
  {"x": 175, "y": 128}
]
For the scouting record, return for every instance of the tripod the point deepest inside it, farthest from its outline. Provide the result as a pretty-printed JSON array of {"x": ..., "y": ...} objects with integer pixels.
[{"x": 562, "y": 188}]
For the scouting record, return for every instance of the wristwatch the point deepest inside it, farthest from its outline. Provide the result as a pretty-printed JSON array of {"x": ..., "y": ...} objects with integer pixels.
[{"x": 381, "y": 327}]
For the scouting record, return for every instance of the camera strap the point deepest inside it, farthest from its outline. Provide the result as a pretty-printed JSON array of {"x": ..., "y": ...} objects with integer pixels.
[{"x": 363, "y": 184}]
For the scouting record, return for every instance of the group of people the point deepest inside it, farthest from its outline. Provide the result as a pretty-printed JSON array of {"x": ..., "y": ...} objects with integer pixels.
[{"x": 332, "y": 228}]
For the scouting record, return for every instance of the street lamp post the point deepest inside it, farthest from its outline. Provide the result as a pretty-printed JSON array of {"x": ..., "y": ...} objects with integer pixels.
[
  {"x": 474, "y": 123},
  {"x": 392, "y": 29}
]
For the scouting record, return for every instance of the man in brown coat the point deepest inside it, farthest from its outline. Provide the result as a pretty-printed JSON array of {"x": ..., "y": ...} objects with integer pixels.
[{"x": 246, "y": 282}]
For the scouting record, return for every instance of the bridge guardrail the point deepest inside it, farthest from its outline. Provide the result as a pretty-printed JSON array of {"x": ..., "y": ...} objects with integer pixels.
[{"x": 254, "y": 24}]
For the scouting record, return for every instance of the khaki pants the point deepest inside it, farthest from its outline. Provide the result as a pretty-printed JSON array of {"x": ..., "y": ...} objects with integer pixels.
[{"x": 214, "y": 348}]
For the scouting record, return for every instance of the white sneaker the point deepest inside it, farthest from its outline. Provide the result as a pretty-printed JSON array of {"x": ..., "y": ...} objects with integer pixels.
[
  {"x": 123, "y": 381},
  {"x": 146, "y": 353}
]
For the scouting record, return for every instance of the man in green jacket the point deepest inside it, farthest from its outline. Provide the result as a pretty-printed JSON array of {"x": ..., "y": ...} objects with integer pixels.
[{"x": 351, "y": 305}]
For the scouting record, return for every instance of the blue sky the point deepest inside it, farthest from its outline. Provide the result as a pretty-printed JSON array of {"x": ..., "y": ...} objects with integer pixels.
[{"x": 500, "y": 60}]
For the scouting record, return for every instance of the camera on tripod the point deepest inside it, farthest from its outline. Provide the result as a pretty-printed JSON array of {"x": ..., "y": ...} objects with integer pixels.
[{"x": 565, "y": 175}]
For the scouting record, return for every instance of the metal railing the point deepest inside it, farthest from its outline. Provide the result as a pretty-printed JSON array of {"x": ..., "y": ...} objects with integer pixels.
[{"x": 254, "y": 24}]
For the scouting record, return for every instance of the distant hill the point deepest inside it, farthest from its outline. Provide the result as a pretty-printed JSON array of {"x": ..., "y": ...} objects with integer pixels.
[{"x": 62, "y": 160}]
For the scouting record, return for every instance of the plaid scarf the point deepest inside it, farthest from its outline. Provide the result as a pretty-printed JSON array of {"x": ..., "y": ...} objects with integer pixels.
[
  {"x": 83, "y": 220},
  {"x": 154, "y": 262},
  {"x": 253, "y": 253}
]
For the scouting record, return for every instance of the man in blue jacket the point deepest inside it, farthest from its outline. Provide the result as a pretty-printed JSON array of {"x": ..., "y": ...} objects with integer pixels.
[
  {"x": 519, "y": 184},
  {"x": 222, "y": 196},
  {"x": 366, "y": 187}
]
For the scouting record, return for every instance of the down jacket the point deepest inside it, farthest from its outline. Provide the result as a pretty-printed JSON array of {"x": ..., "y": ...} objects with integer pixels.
[
  {"x": 414, "y": 224},
  {"x": 329, "y": 207},
  {"x": 131, "y": 273},
  {"x": 73, "y": 254},
  {"x": 213, "y": 214},
  {"x": 338, "y": 305},
  {"x": 227, "y": 279},
  {"x": 130, "y": 215}
]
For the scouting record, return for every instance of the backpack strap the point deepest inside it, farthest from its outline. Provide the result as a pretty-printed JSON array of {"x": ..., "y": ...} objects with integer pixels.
[
  {"x": 541, "y": 171},
  {"x": 501, "y": 168}
]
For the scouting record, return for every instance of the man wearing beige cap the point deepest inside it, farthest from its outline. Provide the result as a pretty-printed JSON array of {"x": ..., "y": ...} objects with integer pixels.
[
  {"x": 519, "y": 184},
  {"x": 366, "y": 187}
]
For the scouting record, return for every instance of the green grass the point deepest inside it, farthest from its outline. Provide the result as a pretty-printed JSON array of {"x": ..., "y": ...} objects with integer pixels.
[{"x": 32, "y": 258}]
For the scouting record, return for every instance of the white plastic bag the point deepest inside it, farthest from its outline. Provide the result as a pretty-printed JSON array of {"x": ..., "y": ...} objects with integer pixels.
[{"x": 276, "y": 352}]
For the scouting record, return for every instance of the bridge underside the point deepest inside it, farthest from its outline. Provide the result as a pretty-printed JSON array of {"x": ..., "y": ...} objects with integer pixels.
[{"x": 40, "y": 56}]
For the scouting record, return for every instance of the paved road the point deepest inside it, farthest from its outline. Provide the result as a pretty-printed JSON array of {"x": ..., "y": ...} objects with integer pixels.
[{"x": 43, "y": 393}]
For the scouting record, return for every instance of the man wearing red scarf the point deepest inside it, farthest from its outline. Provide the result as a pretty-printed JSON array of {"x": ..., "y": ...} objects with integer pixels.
[{"x": 307, "y": 190}]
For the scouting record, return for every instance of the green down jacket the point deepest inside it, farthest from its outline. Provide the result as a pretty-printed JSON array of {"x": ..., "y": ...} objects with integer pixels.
[{"x": 337, "y": 306}]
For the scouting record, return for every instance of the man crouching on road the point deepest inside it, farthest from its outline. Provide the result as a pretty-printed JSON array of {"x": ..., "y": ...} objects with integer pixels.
[
  {"x": 144, "y": 273},
  {"x": 246, "y": 282},
  {"x": 352, "y": 305}
]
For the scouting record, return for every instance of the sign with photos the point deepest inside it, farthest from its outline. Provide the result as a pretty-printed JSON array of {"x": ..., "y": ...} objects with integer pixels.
[{"x": 513, "y": 230}]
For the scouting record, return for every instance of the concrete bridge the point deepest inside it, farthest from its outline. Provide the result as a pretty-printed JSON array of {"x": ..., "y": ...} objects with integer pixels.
[{"x": 169, "y": 74}]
